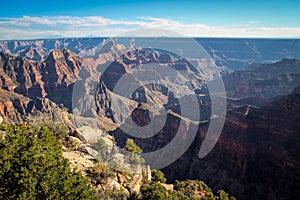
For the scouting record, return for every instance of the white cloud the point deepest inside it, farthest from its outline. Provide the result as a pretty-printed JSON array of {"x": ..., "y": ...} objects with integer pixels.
[{"x": 28, "y": 27}]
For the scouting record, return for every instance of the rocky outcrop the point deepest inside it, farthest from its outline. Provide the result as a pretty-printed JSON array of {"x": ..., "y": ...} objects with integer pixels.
[
  {"x": 183, "y": 83},
  {"x": 265, "y": 80},
  {"x": 28, "y": 89},
  {"x": 95, "y": 154},
  {"x": 35, "y": 54},
  {"x": 88, "y": 135}
]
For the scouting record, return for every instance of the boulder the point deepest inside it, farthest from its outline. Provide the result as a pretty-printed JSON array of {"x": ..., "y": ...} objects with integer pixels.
[
  {"x": 88, "y": 134},
  {"x": 109, "y": 143},
  {"x": 89, "y": 150},
  {"x": 115, "y": 185}
]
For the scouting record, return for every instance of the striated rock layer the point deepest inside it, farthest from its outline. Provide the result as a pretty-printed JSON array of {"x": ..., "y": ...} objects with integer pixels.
[
  {"x": 31, "y": 88},
  {"x": 51, "y": 78},
  {"x": 257, "y": 156}
]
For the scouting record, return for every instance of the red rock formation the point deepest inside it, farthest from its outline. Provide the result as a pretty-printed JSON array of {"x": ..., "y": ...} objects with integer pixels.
[
  {"x": 27, "y": 85},
  {"x": 52, "y": 79}
]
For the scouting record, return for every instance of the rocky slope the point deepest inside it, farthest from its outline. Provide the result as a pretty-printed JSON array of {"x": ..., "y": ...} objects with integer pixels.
[
  {"x": 153, "y": 94},
  {"x": 94, "y": 153},
  {"x": 16, "y": 108}
]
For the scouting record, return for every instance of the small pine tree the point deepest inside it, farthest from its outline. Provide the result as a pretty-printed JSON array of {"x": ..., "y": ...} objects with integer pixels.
[
  {"x": 32, "y": 167},
  {"x": 135, "y": 152},
  {"x": 132, "y": 147}
]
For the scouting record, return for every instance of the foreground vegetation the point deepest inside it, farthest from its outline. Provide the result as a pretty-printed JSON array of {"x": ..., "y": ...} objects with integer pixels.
[
  {"x": 181, "y": 190},
  {"x": 32, "y": 167}
]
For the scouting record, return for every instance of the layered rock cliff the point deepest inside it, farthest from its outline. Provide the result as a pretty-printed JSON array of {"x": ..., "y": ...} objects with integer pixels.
[
  {"x": 51, "y": 78},
  {"x": 260, "y": 82},
  {"x": 37, "y": 88}
]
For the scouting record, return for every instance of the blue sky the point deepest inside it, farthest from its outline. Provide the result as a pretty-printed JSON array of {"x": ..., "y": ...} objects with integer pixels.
[{"x": 21, "y": 19}]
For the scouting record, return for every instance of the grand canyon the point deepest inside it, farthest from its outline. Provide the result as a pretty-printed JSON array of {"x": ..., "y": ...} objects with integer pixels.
[{"x": 257, "y": 154}]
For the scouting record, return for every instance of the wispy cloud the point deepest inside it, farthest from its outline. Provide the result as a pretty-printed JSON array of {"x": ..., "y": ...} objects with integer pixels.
[
  {"x": 28, "y": 27},
  {"x": 254, "y": 22}
]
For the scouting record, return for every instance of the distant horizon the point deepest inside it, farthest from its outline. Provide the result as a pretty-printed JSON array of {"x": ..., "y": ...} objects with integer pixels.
[{"x": 106, "y": 37}]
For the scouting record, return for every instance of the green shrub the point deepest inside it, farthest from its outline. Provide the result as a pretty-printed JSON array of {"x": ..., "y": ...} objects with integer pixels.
[
  {"x": 222, "y": 195},
  {"x": 158, "y": 176},
  {"x": 136, "y": 159},
  {"x": 154, "y": 191},
  {"x": 32, "y": 167},
  {"x": 101, "y": 171},
  {"x": 191, "y": 187},
  {"x": 176, "y": 195},
  {"x": 135, "y": 152}
]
